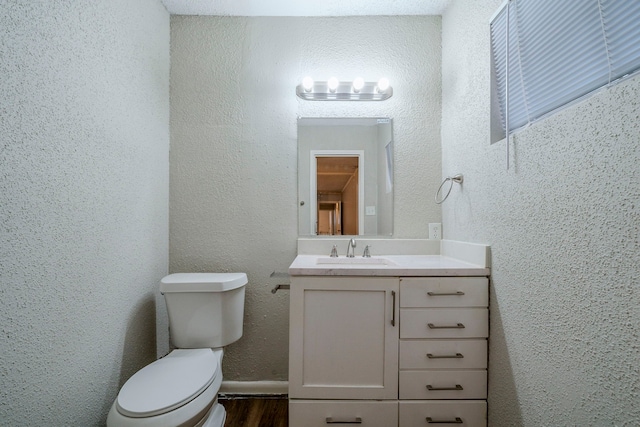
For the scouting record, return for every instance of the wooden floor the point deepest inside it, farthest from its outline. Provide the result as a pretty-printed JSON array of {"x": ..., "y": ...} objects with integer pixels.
[{"x": 256, "y": 412}]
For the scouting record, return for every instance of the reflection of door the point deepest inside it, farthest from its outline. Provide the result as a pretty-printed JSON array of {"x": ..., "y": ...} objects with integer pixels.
[
  {"x": 337, "y": 186},
  {"x": 329, "y": 218},
  {"x": 336, "y": 179}
]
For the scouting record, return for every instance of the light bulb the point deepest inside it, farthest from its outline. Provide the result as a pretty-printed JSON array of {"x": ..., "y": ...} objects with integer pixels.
[
  {"x": 333, "y": 84},
  {"x": 307, "y": 84},
  {"x": 358, "y": 84},
  {"x": 383, "y": 84}
]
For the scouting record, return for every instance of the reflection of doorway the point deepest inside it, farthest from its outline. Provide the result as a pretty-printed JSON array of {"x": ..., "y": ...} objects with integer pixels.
[
  {"x": 338, "y": 193},
  {"x": 331, "y": 171},
  {"x": 329, "y": 218}
]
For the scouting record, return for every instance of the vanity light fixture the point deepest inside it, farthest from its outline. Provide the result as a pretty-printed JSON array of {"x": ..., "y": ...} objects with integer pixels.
[
  {"x": 383, "y": 85},
  {"x": 307, "y": 84},
  {"x": 335, "y": 90},
  {"x": 358, "y": 84},
  {"x": 332, "y": 84}
]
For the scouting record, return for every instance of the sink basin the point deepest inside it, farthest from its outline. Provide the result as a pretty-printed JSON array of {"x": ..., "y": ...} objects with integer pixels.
[{"x": 355, "y": 261}]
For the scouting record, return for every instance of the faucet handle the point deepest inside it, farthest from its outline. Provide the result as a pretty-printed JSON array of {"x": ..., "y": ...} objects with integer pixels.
[
  {"x": 366, "y": 253},
  {"x": 334, "y": 252}
]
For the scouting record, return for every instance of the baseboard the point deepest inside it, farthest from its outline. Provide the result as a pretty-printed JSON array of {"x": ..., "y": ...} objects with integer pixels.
[{"x": 254, "y": 388}]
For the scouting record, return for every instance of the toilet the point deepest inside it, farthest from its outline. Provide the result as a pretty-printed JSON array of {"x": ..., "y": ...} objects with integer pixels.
[{"x": 181, "y": 389}]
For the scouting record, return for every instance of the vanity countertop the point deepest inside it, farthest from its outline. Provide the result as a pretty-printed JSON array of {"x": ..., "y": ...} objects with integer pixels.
[{"x": 397, "y": 265}]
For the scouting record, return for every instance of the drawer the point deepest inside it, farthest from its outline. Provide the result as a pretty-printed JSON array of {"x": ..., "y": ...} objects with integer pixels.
[
  {"x": 467, "y": 413},
  {"x": 437, "y": 384},
  {"x": 443, "y": 354},
  {"x": 323, "y": 413},
  {"x": 444, "y": 323},
  {"x": 444, "y": 292}
]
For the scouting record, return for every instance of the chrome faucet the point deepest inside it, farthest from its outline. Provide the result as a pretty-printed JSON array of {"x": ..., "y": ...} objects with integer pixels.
[
  {"x": 351, "y": 248},
  {"x": 334, "y": 251},
  {"x": 366, "y": 253}
]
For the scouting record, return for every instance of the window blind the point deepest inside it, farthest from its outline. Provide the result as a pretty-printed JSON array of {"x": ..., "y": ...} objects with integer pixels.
[{"x": 558, "y": 52}]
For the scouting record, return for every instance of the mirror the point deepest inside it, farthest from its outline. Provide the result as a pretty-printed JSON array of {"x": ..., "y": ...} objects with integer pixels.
[{"x": 345, "y": 176}]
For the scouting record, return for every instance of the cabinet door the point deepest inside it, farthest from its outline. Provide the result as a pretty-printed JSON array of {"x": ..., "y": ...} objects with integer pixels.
[{"x": 343, "y": 338}]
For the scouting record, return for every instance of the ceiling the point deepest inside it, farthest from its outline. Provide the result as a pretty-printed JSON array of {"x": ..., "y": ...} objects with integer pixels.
[
  {"x": 334, "y": 173},
  {"x": 305, "y": 7}
]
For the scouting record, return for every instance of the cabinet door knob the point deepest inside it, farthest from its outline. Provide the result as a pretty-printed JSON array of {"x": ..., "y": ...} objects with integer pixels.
[
  {"x": 355, "y": 420},
  {"x": 457, "y": 326},
  {"x": 458, "y": 420}
]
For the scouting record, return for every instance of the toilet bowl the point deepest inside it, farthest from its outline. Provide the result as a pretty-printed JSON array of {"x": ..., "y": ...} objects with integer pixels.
[{"x": 181, "y": 389}]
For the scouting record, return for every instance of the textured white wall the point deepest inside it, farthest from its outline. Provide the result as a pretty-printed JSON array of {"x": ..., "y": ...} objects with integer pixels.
[
  {"x": 564, "y": 226},
  {"x": 84, "y": 116},
  {"x": 233, "y": 153}
]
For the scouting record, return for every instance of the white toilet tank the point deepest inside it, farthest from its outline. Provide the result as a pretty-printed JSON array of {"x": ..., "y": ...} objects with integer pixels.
[{"x": 205, "y": 309}]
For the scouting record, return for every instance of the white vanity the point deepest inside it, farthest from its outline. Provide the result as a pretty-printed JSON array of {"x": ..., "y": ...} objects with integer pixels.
[{"x": 397, "y": 340}]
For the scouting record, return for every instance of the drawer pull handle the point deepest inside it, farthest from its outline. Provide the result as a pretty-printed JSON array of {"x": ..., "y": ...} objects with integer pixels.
[
  {"x": 457, "y": 326},
  {"x": 445, "y": 294},
  {"x": 446, "y": 356},
  {"x": 432, "y": 388},
  {"x": 458, "y": 420},
  {"x": 356, "y": 420},
  {"x": 393, "y": 315}
]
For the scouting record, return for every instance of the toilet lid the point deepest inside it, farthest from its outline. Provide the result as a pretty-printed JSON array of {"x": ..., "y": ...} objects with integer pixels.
[{"x": 168, "y": 383}]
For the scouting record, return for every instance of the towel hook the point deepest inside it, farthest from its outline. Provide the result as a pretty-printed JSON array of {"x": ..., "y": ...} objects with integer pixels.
[{"x": 456, "y": 178}]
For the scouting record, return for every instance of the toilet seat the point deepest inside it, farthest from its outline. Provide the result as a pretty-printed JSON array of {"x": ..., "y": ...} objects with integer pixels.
[{"x": 168, "y": 383}]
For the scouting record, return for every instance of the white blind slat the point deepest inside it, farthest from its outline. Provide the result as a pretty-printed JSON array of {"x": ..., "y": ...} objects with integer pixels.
[
  {"x": 560, "y": 51},
  {"x": 621, "y": 20}
]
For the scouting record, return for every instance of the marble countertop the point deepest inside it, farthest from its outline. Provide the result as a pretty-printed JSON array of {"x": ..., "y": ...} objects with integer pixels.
[{"x": 386, "y": 265}]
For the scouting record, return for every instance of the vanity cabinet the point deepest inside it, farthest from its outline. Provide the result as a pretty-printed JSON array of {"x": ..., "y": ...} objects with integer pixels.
[
  {"x": 388, "y": 351},
  {"x": 444, "y": 326},
  {"x": 343, "y": 349}
]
